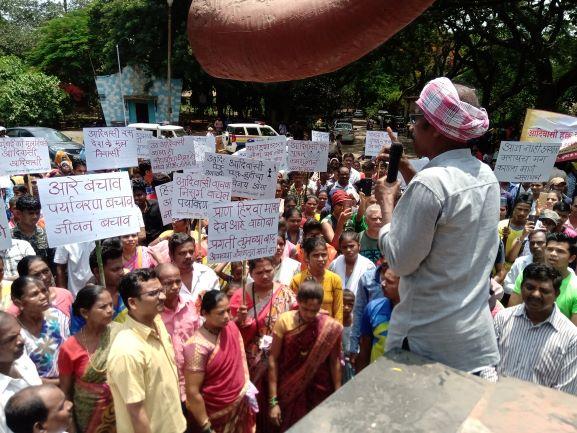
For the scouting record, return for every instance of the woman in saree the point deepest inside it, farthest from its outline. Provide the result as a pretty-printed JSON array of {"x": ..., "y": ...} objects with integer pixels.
[
  {"x": 304, "y": 360},
  {"x": 135, "y": 256},
  {"x": 219, "y": 394},
  {"x": 82, "y": 363},
  {"x": 272, "y": 299}
]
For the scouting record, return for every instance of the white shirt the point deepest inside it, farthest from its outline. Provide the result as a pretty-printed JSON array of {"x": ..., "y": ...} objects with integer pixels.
[
  {"x": 10, "y": 386},
  {"x": 518, "y": 266},
  {"x": 203, "y": 280},
  {"x": 355, "y": 176},
  {"x": 545, "y": 353},
  {"x": 76, "y": 256},
  {"x": 443, "y": 242}
]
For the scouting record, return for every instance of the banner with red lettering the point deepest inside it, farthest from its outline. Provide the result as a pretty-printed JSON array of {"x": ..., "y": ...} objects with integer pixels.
[{"x": 548, "y": 127}]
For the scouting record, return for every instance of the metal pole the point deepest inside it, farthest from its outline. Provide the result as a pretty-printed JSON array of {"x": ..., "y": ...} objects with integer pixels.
[
  {"x": 169, "y": 61},
  {"x": 120, "y": 81}
]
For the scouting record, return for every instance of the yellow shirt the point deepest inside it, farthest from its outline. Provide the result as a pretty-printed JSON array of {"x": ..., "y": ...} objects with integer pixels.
[
  {"x": 332, "y": 292},
  {"x": 141, "y": 368},
  {"x": 5, "y": 299},
  {"x": 513, "y": 234}
]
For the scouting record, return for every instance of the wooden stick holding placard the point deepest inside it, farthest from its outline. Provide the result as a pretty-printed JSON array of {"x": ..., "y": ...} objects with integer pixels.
[
  {"x": 305, "y": 187},
  {"x": 100, "y": 264},
  {"x": 244, "y": 283}
]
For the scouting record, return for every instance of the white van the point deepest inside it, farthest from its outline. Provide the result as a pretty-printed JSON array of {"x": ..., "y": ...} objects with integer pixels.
[{"x": 160, "y": 131}]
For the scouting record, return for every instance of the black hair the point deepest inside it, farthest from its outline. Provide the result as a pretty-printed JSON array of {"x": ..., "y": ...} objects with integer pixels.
[
  {"x": 27, "y": 202},
  {"x": 561, "y": 206},
  {"x": 563, "y": 238},
  {"x": 253, "y": 262},
  {"x": 111, "y": 250},
  {"x": 19, "y": 284},
  {"x": 178, "y": 240},
  {"x": 25, "y": 408},
  {"x": 368, "y": 165},
  {"x": 211, "y": 299},
  {"x": 143, "y": 167},
  {"x": 138, "y": 185},
  {"x": 310, "y": 225},
  {"x": 23, "y": 266},
  {"x": 312, "y": 197},
  {"x": 349, "y": 235},
  {"x": 543, "y": 272},
  {"x": 159, "y": 179},
  {"x": 86, "y": 298},
  {"x": 537, "y": 231},
  {"x": 525, "y": 198},
  {"x": 291, "y": 198},
  {"x": 310, "y": 244},
  {"x": 77, "y": 162},
  {"x": 19, "y": 188},
  {"x": 129, "y": 286},
  {"x": 290, "y": 212},
  {"x": 347, "y": 292},
  {"x": 348, "y": 155},
  {"x": 310, "y": 289}
]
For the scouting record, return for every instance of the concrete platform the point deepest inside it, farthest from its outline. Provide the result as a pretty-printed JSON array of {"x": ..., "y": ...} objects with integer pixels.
[{"x": 402, "y": 392}]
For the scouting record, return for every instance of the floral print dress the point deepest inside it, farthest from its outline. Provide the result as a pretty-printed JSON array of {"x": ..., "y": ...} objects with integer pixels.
[{"x": 43, "y": 350}]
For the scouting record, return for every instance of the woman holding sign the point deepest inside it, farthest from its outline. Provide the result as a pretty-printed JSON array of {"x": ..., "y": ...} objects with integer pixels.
[{"x": 266, "y": 300}]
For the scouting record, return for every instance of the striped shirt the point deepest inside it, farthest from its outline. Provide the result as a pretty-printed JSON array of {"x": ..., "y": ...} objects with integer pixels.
[{"x": 545, "y": 354}]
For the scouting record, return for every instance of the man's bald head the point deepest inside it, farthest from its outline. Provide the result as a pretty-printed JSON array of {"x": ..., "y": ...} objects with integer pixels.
[
  {"x": 6, "y": 320},
  {"x": 164, "y": 268}
]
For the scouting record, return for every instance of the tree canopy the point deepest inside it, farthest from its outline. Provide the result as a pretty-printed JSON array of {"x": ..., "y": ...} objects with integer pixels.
[{"x": 518, "y": 54}]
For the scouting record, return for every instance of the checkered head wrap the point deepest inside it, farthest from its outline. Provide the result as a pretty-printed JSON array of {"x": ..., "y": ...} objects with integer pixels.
[{"x": 452, "y": 117}]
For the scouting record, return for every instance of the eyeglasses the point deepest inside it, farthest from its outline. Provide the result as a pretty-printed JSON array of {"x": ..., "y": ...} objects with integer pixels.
[{"x": 153, "y": 293}]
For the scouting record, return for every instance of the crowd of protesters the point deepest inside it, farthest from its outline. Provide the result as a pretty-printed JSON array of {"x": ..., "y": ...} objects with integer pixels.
[{"x": 447, "y": 263}]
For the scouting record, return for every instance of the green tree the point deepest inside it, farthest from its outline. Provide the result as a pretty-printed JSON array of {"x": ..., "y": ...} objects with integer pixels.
[
  {"x": 29, "y": 97},
  {"x": 63, "y": 49}
]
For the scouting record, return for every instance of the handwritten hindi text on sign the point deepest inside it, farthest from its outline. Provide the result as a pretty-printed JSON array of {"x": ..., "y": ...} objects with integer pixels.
[
  {"x": 375, "y": 141},
  {"x": 307, "y": 156},
  {"x": 172, "y": 154},
  {"x": 24, "y": 155},
  {"x": 192, "y": 193},
  {"x": 242, "y": 230},
  {"x": 251, "y": 178},
  {"x": 86, "y": 208},
  {"x": 521, "y": 161},
  {"x": 203, "y": 145},
  {"x": 320, "y": 136},
  {"x": 110, "y": 148},
  {"x": 164, "y": 196},
  {"x": 142, "y": 137},
  {"x": 268, "y": 149}
]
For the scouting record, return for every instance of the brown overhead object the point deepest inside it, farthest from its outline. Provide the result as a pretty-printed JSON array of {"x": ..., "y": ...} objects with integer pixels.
[{"x": 282, "y": 40}]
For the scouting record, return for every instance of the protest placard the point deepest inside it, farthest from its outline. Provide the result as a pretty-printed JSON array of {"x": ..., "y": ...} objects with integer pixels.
[
  {"x": 87, "y": 208},
  {"x": 142, "y": 137},
  {"x": 24, "y": 155},
  {"x": 320, "y": 136},
  {"x": 172, "y": 154},
  {"x": 5, "y": 233},
  {"x": 5, "y": 182},
  {"x": 255, "y": 179},
  {"x": 375, "y": 141},
  {"x": 307, "y": 156},
  {"x": 203, "y": 145},
  {"x": 192, "y": 193},
  {"x": 242, "y": 230},
  {"x": 522, "y": 161},
  {"x": 268, "y": 149},
  {"x": 548, "y": 127},
  {"x": 110, "y": 147},
  {"x": 164, "y": 196}
]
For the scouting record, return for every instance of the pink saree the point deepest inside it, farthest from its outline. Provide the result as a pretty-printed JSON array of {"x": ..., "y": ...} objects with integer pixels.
[{"x": 226, "y": 380}]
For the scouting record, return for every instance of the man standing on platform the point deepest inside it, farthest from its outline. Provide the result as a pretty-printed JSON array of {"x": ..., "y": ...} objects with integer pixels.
[{"x": 442, "y": 238}]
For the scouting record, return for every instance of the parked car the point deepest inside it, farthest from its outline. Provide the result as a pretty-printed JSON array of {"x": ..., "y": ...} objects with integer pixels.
[
  {"x": 56, "y": 139},
  {"x": 160, "y": 131},
  {"x": 359, "y": 113},
  {"x": 346, "y": 130},
  {"x": 237, "y": 134}
]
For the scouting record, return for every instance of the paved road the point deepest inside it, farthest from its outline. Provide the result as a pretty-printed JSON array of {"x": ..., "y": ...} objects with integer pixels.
[{"x": 358, "y": 146}]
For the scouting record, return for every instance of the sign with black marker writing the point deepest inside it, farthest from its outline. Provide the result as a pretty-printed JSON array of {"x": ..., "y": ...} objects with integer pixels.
[{"x": 522, "y": 161}]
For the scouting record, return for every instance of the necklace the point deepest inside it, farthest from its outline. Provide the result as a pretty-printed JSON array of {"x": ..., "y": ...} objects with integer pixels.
[
  {"x": 212, "y": 331},
  {"x": 83, "y": 339}
]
